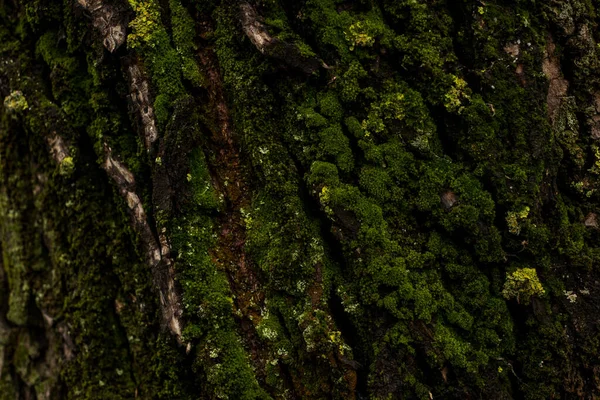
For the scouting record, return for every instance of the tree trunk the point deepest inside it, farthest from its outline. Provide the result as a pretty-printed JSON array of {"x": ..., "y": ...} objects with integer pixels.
[{"x": 308, "y": 199}]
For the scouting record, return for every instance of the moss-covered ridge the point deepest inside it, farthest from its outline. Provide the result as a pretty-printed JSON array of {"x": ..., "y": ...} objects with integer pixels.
[{"x": 425, "y": 103}]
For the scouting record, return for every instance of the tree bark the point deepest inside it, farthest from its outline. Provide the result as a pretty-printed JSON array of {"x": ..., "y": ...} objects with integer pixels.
[{"x": 301, "y": 199}]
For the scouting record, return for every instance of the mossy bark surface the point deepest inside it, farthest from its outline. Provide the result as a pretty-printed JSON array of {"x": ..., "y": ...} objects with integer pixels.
[{"x": 382, "y": 199}]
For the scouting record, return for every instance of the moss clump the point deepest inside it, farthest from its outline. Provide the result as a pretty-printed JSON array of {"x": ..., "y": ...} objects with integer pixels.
[
  {"x": 523, "y": 284},
  {"x": 67, "y": 166},
  {"x": 513, "y": 218},
  {"x": 16, "y": 102},
  {"x": 70, "y": 83},
  {"x": 183, "y": 36}
]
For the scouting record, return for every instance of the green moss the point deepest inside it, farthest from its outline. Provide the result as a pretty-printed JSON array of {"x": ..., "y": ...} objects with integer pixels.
[
  {"x": 162, "y": 108},
  {"x": 67, "y": 166},
  {"x": 70, "y": 83},
  {"x": 419, "y": 102},
  {"x": 183, "y": 39},
  {"x": 73, "y": 232},
  {"x": 14, "y": 261},
  {"x": 334, "y": 143},
  {"x": 390, "y": 181},
  {"x": 207, "y": 302},
  {"x": 330, "y": 106},
  {"x": 164, "y": 61},
  {"x": 16, "y": 102},
  {"x": 523, "y": 284},
  {"x": 219, "y": 356},
  {"x": 26, "y": 351}
]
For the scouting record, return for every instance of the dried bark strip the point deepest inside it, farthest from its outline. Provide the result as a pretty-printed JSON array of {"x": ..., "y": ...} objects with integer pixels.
[
  {"x": 274, "y": 47},
  {"x": 142, "y": 104},
  {"x": 594, "y": 120},
  {"x": 254, "y": 29},
  {"x": 157, "y": 250}
]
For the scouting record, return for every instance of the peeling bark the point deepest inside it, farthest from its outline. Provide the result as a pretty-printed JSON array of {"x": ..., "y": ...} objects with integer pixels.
[
  {"x": 109, "y": 20},
  {"x": 558, "y": 87},
  {"x": 58, "y": 147},
  {"x": 157, "y": 251},
  {"x": 254, "y": 29},
  {"x": 271, "y": 46},
  {"x": 595, "y": 119},
  {"x": 142, "y": 103}
]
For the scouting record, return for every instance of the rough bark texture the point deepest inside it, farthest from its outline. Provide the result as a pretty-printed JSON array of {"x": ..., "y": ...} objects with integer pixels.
[{"x": 308, "y": 199}]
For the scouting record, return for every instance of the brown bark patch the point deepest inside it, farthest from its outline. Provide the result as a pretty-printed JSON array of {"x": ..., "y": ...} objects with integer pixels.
[
  {"x": 520, "y": 71},
  {"x": 448, "y": 200},
  {"x": 558, "y": 86},
  {"x": 591, "y": 220},
  {"x": 230, "y": 179},
  {"x": 254, "y": 29},
  {"x": 595, "y": 119},
  {"x": 58, "y": 147},
  {"x": 512, "y": 49}
]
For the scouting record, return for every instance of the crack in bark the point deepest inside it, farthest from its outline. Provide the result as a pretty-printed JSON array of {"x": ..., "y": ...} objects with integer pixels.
[
  {"x": 157, "y": 247},
  {"x": 229, "y": 251}
]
